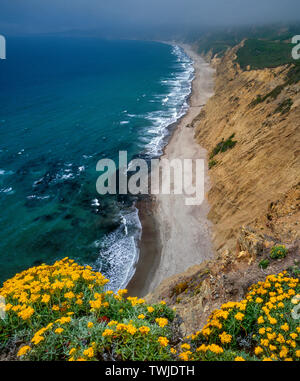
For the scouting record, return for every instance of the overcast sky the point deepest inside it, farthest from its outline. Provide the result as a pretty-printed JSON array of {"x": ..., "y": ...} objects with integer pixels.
[{"x": 35, "y": 16}]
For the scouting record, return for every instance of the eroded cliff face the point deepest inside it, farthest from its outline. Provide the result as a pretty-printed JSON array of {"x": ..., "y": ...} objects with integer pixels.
[
  {"x": 255, "y": 188},
  {"x": 257, "y": 181}
]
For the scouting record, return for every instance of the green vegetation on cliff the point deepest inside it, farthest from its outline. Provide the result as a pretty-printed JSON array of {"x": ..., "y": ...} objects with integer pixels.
[
  {"x": 222, "y": 146},
  {"x": 260, "y": 54},
  {"x": 263, "y": 39}
]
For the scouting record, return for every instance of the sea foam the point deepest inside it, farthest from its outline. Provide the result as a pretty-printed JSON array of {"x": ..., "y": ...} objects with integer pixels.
[{"x": 119, "y": 251}]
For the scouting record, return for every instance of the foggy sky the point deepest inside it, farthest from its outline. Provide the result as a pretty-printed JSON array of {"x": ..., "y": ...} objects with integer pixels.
[{"x": 39, "y": 16}]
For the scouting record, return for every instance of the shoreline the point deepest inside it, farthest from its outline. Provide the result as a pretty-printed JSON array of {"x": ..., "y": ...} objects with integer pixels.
[{"x": 165, "y": 219}]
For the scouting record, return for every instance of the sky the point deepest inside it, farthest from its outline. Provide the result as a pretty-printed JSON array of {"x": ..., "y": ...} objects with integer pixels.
[{"x": 43, "y": 16}]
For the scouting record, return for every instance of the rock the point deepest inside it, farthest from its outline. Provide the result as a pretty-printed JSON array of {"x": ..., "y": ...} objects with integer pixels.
[
  {"x": 251, "y": 242},
  {"x": 242, "y": 254},
  {"x": 269, "y": 244}
]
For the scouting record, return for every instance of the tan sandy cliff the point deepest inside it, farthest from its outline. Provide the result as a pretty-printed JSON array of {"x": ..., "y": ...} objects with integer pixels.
[{"x": 264, "y": 165}]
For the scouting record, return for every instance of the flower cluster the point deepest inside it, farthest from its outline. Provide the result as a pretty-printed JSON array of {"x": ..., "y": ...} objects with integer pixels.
[
  {"x": 263, "y": 326},
  {"x": 62, "y": 312}
]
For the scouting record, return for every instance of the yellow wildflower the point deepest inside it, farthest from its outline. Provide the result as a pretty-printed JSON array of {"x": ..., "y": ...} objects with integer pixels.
[
  {"x": 37, "y": 339},
  {"x": 285, "y": 327},
  {"x": 89, "y": 352},
  {"x": 239, "y": 316},
  {"x": 144, "y": 329},
  {"x": 131, "y": 329},
  {"x": 23, "y": 351},
  {"x": 225, "y": 338},
  {"x": 163, "y": 341},
  {"x": 107, "y": 332},
  {"x": 258, "y": 350},
  {"x": 185, "y": 346},
  {"x": 185, "y": 355},
  {"x": 260, "y": 320},
  {"x": 45, "y": 298},
  {"x": 162, "y": 322}
]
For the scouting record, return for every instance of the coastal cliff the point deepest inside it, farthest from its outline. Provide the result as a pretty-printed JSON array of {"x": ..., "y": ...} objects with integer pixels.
[
  {"x": 250, "y": 129},
  {"x": 241, "y": 305},
  {"x": 257, "y": 181}
]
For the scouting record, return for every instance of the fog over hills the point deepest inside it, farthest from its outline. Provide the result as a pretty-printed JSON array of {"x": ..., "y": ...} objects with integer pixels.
[{"x": 136, "y": 18}]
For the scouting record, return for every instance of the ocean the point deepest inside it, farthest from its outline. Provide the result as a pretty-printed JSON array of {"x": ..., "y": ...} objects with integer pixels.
[{"x": 66, "y": 103}]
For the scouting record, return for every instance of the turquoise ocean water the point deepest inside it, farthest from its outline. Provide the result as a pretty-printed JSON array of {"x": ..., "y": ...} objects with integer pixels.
[{"x": 66, "y": 103}]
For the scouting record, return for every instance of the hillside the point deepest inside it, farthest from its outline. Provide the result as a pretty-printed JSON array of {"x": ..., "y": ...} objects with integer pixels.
[
  {"x": 257, "y": 181},
  {"x": 250, "y": 128}
]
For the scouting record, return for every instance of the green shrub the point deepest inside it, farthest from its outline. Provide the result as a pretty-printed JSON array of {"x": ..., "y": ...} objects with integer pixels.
[
  {"x": 294, "y": 270},
  {"x": 260, "y": 54},
  {"x": 62, "y": 312},
  {"x": 179, "y": 288},
  {"x": 223, "y": 146},
  {"x": 272, "y": 94},
  {"x": 293, "y": 76},
  {"x": 264, "y": 263},
  {"x": 256, "y": 101},
  {"x": 284, "y": 107},
  {"x": 278, "y": 252},
  {"x": 275, "y": 92},
  {"x": 212, "y": 163}
]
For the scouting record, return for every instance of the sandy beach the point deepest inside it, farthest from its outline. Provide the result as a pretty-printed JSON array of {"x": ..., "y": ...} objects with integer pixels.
[{"x": 176, "y": 236}]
